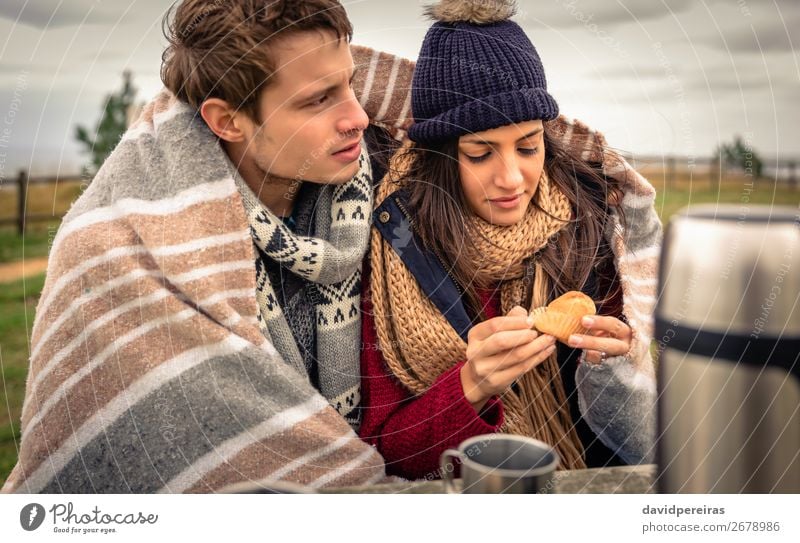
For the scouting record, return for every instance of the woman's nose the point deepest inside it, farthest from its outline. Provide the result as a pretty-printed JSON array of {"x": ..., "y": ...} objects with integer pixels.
[{"x": 509, "y": 175}]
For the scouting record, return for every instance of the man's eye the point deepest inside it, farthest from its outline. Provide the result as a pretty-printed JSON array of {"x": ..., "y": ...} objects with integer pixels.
[{"x": 319, "y": 101}]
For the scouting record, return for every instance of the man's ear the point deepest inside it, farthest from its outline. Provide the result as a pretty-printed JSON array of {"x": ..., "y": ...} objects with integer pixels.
[{"x": 223, "y": 120}]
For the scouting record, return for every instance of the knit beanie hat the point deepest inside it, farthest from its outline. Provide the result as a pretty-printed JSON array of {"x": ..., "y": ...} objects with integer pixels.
[{"x": 476, "y": 70}]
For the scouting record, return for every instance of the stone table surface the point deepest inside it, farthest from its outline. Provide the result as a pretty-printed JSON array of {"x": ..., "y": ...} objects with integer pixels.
[{"x": 611, "y": 480}]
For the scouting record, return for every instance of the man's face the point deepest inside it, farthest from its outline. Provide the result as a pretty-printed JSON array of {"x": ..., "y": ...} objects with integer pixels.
[{"x": 311, "y": 123}]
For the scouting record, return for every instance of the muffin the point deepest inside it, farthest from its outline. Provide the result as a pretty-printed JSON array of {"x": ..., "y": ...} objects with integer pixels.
[{"x": 562, "y": 317}]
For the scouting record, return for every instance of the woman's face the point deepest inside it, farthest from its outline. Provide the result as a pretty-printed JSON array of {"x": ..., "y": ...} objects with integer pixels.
[{"x": 500, "y": 170}]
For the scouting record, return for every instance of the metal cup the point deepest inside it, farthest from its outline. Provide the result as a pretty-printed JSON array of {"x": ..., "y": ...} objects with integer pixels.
[
  {"x": 266, "y": 487},
  {"x": 500, "y": 463}
]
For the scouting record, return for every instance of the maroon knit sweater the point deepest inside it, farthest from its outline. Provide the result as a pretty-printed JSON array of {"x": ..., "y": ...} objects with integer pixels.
[{"x": 411, "y": 431}]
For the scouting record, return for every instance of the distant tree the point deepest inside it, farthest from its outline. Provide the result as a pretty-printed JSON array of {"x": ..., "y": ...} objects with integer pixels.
[
  {"x": 111, "y": 126},
  {"x": 739, "y": 155}
]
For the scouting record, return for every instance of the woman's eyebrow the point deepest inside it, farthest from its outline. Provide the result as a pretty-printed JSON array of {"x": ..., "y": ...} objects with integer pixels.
[{"x": 481, "y": 141}]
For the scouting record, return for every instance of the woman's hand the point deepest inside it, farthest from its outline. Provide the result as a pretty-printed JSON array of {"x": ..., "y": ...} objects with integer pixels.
[
  {"x": 499, "y": 351},
  {"x": 608, "y": 336}
]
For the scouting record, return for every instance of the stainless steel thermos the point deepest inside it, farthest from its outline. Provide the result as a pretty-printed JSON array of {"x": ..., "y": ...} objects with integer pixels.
[{"x": 728, "y": 334}]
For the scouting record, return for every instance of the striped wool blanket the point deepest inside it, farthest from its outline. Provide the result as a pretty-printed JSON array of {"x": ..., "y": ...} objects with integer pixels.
[
  {"x": 148, "y": 368},
  {"x": 618, "y": 397}
]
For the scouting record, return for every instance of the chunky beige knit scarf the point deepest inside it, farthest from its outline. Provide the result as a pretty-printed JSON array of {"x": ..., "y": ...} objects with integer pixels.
[{"x": 419, "y": 344}]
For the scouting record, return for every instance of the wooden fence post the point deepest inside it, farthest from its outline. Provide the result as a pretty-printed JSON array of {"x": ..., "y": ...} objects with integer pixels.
[
  {"x": 716, "y": 174},
  {"x": 671, "y": 171},
  {"x": 22, "y": 192}
]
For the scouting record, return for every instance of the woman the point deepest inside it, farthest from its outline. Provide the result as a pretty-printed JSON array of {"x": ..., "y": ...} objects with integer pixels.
[{"x": 497, "y": 207}]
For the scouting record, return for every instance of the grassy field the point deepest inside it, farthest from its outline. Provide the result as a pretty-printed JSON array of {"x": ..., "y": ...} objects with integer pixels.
[
  {"x": 17, "y": 304},
  {"x": 18, "y": 299},
  {"x": 740, "y": 190},
  {"x": 34, "y": 244}
]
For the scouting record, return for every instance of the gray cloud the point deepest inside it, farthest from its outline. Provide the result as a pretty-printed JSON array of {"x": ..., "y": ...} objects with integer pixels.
[
  {"x": 572, "y": 13},
  {"x": 50, "y": 14},
  {"x": 718, "y": 81},
  {"x": 111, "y": 54},
  {"x": 749, "y": 40},
  {"x": 41, "y": 14},
  {"x": 764, "y": 27},
  {"x": 733, "y": 76},
  {"x": 11, "y": 68},
  {"x": 741, "y": 76},
  {"x": 632, "y": 72}
]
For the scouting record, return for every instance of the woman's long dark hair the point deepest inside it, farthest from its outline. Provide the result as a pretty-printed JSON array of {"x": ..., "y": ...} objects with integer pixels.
[{"x": 568, "y": 258}]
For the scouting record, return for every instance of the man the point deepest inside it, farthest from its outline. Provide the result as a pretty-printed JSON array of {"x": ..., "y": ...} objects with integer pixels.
[{"x": 199, "y": 326}]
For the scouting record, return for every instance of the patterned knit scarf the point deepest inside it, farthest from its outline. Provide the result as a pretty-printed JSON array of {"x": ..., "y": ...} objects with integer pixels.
[
  {"x": 419, "y": 344},
  {"x": 331, "y": 262}
]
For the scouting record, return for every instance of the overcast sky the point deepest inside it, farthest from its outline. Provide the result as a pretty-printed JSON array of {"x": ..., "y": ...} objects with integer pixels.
[{"x": 658, "y": 77}]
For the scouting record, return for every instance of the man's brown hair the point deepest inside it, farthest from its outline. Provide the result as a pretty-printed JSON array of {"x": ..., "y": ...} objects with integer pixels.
[{"x": 220, "y": 48}]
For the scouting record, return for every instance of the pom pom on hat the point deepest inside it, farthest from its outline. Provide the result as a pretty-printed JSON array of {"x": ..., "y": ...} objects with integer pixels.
[{"x": 480, "y": 12}]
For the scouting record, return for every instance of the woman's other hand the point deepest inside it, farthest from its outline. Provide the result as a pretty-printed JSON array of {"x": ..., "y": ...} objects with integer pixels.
[{"x": 608, "y": 336}]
